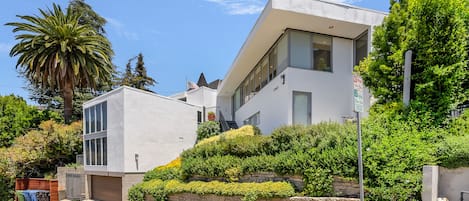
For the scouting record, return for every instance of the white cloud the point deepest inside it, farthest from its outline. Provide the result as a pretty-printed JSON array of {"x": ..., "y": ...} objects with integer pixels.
[
  {"x": 5, "y": 47},
  {"x": 240, "y": 7},
  {"x": 120, "y": 29}
]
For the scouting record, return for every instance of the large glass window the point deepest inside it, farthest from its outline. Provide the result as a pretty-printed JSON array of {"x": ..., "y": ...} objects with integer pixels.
[
  {"x": 322, "y": 46},
  {"x": 300, "y": 49},
  {"x": 96, "y": 118},
  {"x": 96, "y": 151},
  {"x": 264, "y": 71},
  {"x": 237, "y": 99}
]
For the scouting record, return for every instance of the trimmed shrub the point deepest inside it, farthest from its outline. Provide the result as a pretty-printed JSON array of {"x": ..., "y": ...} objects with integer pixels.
[
  {"x": 208, "y": 129},
  {"x": 160, "y": 190},
  {"x": 247, "y": 130},
  {"x": 170, "y": 171}
]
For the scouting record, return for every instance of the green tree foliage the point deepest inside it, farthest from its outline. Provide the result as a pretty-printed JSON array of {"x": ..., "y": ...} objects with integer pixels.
[
  {"x": 437, "y": 33},
  {"x": 39, "y": 152},
  {"x": 56, "y": 52},
  {"x": 208, "y": 129},
  {"x": 17, "y": 117},
  {"x": 51, "y": 98},
  {"x": 87, "y": 15},
  {"x": 137, "y": 78}
]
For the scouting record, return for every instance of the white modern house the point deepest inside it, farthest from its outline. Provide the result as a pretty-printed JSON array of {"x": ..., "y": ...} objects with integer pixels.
[
  {"x": 296, "y": 64},
  {"x": 128, "y": 132}
]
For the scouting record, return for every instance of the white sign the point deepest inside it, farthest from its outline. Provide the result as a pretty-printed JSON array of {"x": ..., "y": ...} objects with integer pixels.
[{"x": 358, "y": 93}]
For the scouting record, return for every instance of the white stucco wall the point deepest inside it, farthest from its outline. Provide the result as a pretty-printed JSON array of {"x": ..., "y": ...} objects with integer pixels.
[
  {"x": 157, "y": 128},
  {"x": 115, "y": 131},
  {"x": 331, "y": 93}
]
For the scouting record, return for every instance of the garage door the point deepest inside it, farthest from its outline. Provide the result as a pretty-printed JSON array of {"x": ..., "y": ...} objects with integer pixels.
[{"x": 106, "y": 188}]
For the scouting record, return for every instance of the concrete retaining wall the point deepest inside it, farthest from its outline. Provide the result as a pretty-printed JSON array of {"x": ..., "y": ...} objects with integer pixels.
[{"x": 439, "y": 182}]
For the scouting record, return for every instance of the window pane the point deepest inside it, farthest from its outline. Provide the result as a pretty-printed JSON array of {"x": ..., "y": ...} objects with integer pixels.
[
  {"x": 361, "y": 48},
  {"x": 199, "y": 117},
  {"x": 246, "y": 91},
  {"x": 301, "y": 108},
  {"x": 272, "y": 70},
  {"x": 251, "y": 85},
  {"x": 87, "y": 120},
  {"x": 104, "y": 108},
  {"x": 282, "y": 55},
  {"x": 93, "y": 152},
  {"x": 257, "y": 79},
  {"x": 322, "y": 52},
  {"x": 237, "y": 99},
  {"x": 300, "y": 55},
  {"x": 264, "y": 71},
  {"x": 93, "y": 119},
  {"x": 98, "y": 152},
  {"x": 105, "y": 151},
  {"x": 98, "y": 117},
  {"x": 87, "y": 152}
]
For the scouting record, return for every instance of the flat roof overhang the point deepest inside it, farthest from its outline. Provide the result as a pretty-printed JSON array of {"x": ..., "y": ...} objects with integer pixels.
[{"x": 318, "y": 16}]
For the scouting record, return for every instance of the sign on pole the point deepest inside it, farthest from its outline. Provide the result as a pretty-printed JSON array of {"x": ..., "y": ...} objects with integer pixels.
[{"x": 358, "y": 93}]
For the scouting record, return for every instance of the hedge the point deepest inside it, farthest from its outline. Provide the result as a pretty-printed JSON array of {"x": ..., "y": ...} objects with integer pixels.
[{"x": 160, "y": 190}]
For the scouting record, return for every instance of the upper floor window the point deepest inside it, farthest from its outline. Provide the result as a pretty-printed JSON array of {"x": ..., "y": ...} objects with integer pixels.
[
  {"x": 322, "y": 46},
  {"x": 310, "y": 51},
  {"x": 96, "y": 118}
]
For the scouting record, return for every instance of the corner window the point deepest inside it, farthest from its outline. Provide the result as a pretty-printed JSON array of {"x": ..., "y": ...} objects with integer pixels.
[
  {"x": 96, "y": 118},
  {"x": 300, "y": 49},
  {"x": 322, "y": 46}
]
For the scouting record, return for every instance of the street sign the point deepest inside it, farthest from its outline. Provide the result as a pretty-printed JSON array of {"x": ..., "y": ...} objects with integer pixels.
[{"x": 358, "y": 93}]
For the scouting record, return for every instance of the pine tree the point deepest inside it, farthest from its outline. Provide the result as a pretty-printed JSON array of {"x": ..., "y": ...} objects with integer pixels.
[{"x": 137, "y": 77}]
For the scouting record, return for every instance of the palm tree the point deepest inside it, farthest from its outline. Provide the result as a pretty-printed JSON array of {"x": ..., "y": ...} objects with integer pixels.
[{"x": 58, "y": 53}]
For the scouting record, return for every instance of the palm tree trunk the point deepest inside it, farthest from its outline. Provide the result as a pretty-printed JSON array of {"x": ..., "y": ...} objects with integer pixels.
[{"x": 68, "y": 98}]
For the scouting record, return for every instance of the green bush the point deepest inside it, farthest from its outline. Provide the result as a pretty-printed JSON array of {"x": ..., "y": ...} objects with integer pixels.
[
  {"x": 160, "y": 190},
  {"x": 243, "y": 146},
  {"x": 318, "y": 182},
  {"x": 163, "y": 174},
  {"x": 454, "y": 152},
  {"x": 208, "y": 129}
]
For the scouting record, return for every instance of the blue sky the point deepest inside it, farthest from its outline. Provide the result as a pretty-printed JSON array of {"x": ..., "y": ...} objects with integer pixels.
[{"x": 178, "y": 38}]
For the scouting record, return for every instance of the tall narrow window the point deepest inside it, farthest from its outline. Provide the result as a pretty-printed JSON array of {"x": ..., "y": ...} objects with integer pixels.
[
  {"x": 93, "y": 119},
  {"x": 322, "y": 46},
  {"x": 282, "y": 55},
  {"x": 98, "y": 117},
  {"x": 301, "y": 108},
  {"x": 98, "y": 152},
  {"x": 361, "y": 48},
  {"x": 257, "y": 78},
  {"x": 93, "y": 151},
  {"x": 300, "y": 49},
  {"x": 272, "y": 70},
  {"x": 87, "y": 152},
  {"x": 87, "y": 120},
  {"x": 237, "y": 100},
  {"x": 264, "y": 71},
  {"x": 105, "y": 151},
  {"x": 104, "y": 108},
  {"x": 199, "y": 117}
]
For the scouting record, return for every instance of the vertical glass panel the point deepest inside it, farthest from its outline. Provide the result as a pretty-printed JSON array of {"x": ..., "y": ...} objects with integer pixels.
[
  {"x": 93, "y": 152},
  {"x": 93, "y": 119},
  {"x": 301, "y": 108},
  {"x": 98, "y": 117},
  {"x": 322, "y": 46},
  {"x": 272, "y": 70},
  {"x": 98, "y": 152},
  {"x": 105, "y": 151},
  {"x": 199, "y": 117},
  {"x": 264, "y": 71},
  {"x": 87, "y": 152},
  {"x": 257, "y": 79},
  {"x": 361, "y": 48},
  {"x": 246, "y": 91},
  {"x": 251, "y": 85},
  {"x": 237, "y": 99},
  {"x": 87, "y": 120},
  {"x": 282, "y": 55},
  {"x": 300, "y": 49},
  {"x": 104, "y": 108}
]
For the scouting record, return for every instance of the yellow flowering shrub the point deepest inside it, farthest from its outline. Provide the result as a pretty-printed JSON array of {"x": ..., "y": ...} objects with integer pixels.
[{"x": 247, "y": 130}]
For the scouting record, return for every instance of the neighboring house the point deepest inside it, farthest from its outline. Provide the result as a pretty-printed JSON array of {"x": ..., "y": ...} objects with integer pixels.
[
  {"x": 201, "y": 93},
  {"x": 128, "y": 132},
  {"x": 296, "y": 64}
]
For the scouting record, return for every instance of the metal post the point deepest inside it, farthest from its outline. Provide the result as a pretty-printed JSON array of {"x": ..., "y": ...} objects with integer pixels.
[
  {"x": 360, "y": 161},
  {"x": 407, "y": 77}
]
